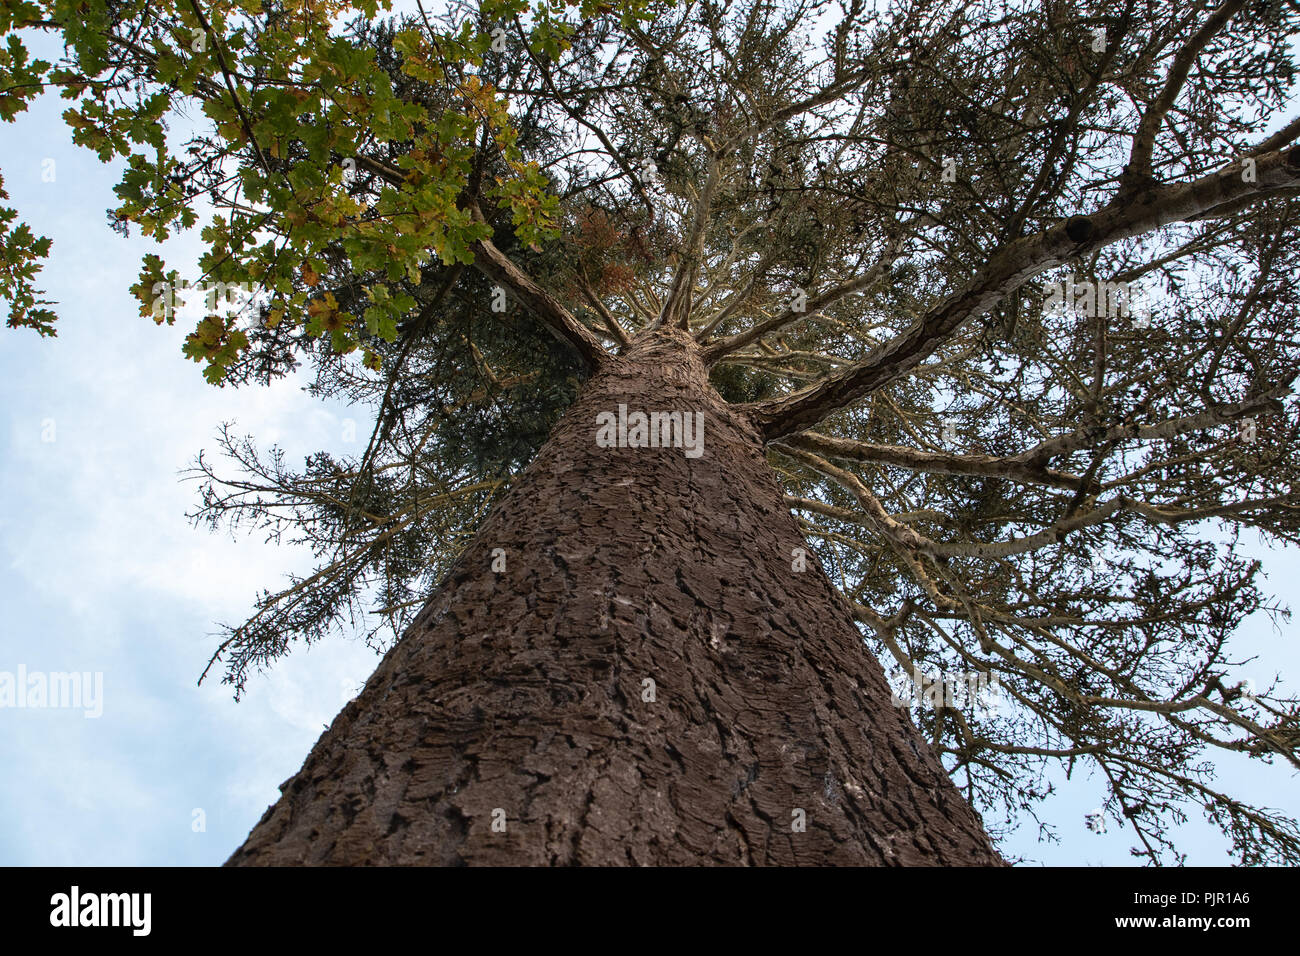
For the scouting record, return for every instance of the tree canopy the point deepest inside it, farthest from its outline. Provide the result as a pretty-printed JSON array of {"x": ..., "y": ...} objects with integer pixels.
[{"x": 1007, "y": 288}]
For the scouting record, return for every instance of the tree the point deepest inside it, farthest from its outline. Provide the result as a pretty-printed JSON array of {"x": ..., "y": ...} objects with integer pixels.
[{"x": 967, "y": 331}]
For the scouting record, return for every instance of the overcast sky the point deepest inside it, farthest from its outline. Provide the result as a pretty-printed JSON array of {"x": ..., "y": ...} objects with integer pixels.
[{"x": 104, "y": 574}]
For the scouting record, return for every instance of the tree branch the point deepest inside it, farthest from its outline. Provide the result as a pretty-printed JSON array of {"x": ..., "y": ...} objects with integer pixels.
[
  {"x": 496, "y": 265},
  {"x": 676, "y": 311},
  {"x": 1008, "y": 269},
  {"x": 944, "y": 463},
  {"x": 1090, "y": 437},
  {"x": 1138, "y": 169},
  {"x": 611, "y": 323},
  {"x": 711, "y": 353}
]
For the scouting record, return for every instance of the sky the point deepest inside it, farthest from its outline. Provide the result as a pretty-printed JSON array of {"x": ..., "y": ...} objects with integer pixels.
[{"x": 103, "y": 574}]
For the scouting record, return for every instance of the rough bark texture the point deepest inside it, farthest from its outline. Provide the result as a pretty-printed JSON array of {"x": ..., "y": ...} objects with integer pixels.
[{"x": 522, "y": 691}]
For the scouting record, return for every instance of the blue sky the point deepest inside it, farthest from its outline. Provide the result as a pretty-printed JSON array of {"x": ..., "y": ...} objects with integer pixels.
[{"x": 103, "y": 573}]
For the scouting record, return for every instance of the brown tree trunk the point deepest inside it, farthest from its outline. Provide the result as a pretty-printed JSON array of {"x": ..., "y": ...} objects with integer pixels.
[{"x": 512, "y": 724}]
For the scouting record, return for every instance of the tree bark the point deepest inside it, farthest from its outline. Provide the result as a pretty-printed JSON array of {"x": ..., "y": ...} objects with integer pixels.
[{"x": 519, "y": 697}]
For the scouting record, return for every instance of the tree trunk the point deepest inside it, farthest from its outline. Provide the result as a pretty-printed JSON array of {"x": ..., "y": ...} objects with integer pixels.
[{"x": 515, "y": 723}]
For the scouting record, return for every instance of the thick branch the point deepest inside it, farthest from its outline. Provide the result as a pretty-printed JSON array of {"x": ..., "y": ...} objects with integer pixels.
[
  {"x": 496, "y": 265},
  {"x": 1007, "y": 270}
]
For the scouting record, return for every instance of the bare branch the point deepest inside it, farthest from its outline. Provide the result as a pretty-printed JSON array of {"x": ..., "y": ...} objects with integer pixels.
[{"x": 988, "y": 466}]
